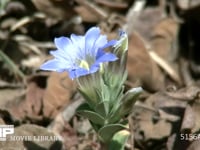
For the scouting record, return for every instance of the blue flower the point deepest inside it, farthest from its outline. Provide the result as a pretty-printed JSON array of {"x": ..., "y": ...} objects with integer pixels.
[{"x": 80, "y": 55}]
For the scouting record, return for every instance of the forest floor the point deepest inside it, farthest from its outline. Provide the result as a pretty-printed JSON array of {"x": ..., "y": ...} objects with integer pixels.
[{"x": 163, "y": 58}]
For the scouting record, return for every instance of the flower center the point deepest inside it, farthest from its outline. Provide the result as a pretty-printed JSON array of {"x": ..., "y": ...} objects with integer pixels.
[{"x": 84, "y": 64}]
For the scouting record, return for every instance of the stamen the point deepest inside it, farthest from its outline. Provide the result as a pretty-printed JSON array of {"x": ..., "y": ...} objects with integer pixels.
[
  {"x": 84, "y": 64},
  {"x": 101, "y": 68}
]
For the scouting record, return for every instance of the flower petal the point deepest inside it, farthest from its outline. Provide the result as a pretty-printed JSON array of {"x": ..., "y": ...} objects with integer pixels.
[
  {"x": 100, "y": 53},
  {"x": 65, "y": 44},
  {"x": 62, "y": 42},
  {"x": 71, "y": 51},
  {"x": 107, "y": 57},
  {"x": 79, "y": 44},
  {"x": 94, "y": 68},
  {"x": 90, "y": 38},
  {"x": 110, "y": 43},
  {"x": 101, "y": 41},
  {"x": 53, "y": 65},
  {"x": 78, "y": 41},
  {"x": 59, "y": 54},
  {"x": 75, "y": 73}
]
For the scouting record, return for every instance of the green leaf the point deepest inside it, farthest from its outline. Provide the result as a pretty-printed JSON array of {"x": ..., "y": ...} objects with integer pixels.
[
  {"x": 88, "y": 87},
  {"x": 90, "y": 100},
  {"x": 84, "y": 106},
  {"x": 119, "y": 140},
  {"x": 106, "y": 133},
  {"x": 92, "y": 116},
  {"x": 102, "y": 108},
  {"x": 129, "y": 99},
  {"x": 96, "y": 127},
  {"x": 115, "y": 116}
]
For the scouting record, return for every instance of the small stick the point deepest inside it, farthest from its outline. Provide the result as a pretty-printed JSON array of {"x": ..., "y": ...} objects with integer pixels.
[
  {"x": 164, "y": 65},
  {"x": 131, "y": 126},
  {"x": 112, "y": 4}
]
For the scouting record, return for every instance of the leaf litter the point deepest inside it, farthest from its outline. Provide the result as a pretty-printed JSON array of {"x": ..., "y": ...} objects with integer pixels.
[{"x": 163, "y": 58}]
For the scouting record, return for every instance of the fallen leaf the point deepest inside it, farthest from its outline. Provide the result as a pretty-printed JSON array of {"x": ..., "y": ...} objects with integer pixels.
[
  {"x": 188, "y": 122},
  {"x": 189, "y": 93},
  {"x": 140, "y": 66},
  {"x": 146, "y": 21},
  {"x": 21, "y": 104},
  {"x": 164, "y": 43},
  {"x": 150, "y": 129},
  {"x": 158, "y": 130},
  {"x": 163, "y": 39},
  {"x": 196, "y": 110},
  {"x": 86, "y": 14},
  {"x": 58, "y": 93},
  {"x": 194, "y": 145},
  {"x": 62, "y": 9}
]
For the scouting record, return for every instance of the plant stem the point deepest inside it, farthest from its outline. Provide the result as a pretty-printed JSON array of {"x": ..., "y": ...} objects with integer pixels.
[{"x": 131, "y": 127}]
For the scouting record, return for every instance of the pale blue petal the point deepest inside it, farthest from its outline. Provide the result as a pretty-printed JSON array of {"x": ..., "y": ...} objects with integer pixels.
[
  {"x": 110, "y": 43},
  {"x": 106, "y": 58},
  {"x": 65, "y": 44},
  {"x": 100, "y": 42},
  {"x": 79, "y": 43},
  {"x": 54, "y": 65},
  {"x": 81, "y": 72},
  {"x": 94, "y": 68},
  {"x": 71, "y": 51},
  {"x": 72, "y": 74},
  {"x": 59, "y": 54},
  {"x": 75, "y": 73},
  {"x": 90, "y": 38},
  {"x": 62, "y": 43},
  {"x": 100, "y": 53}
]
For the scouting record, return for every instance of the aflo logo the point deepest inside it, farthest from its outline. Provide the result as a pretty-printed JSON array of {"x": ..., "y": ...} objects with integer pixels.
[{"x": 5, "y": 130}]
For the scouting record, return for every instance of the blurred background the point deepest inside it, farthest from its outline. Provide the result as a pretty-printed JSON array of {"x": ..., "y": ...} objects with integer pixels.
[{"x": 163, "y": 58}]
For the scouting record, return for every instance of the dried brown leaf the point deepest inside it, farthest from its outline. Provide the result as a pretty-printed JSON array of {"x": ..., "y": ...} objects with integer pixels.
[
  {"x": 194, "y": 146},
  {"x": 145, "y": 22},
  {"x": 164, "y": 39},
  {"x": 90, "y": 12},
  {"x": 151, "y": 129},
  {"x": 196, "y": 109},
  {"x": 141, "y": 67},
  {"x": 43, "y": 98},
  {"x": 189, "y": 93},
  {"x": 30, "y": 104},
  {"x": 60, "y": 89},
  {"x": 58, "y": 10},
  {"x": 164, "y": 44},
  {"x": 112, "y": 4},
  {"x": 86, "y": 14},
  {"x": 157, "y": 130},
  {"x": 188, "y": 122}
]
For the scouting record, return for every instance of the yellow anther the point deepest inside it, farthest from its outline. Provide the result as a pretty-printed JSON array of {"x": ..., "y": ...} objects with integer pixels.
[{"x": 84, "y": 65}]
